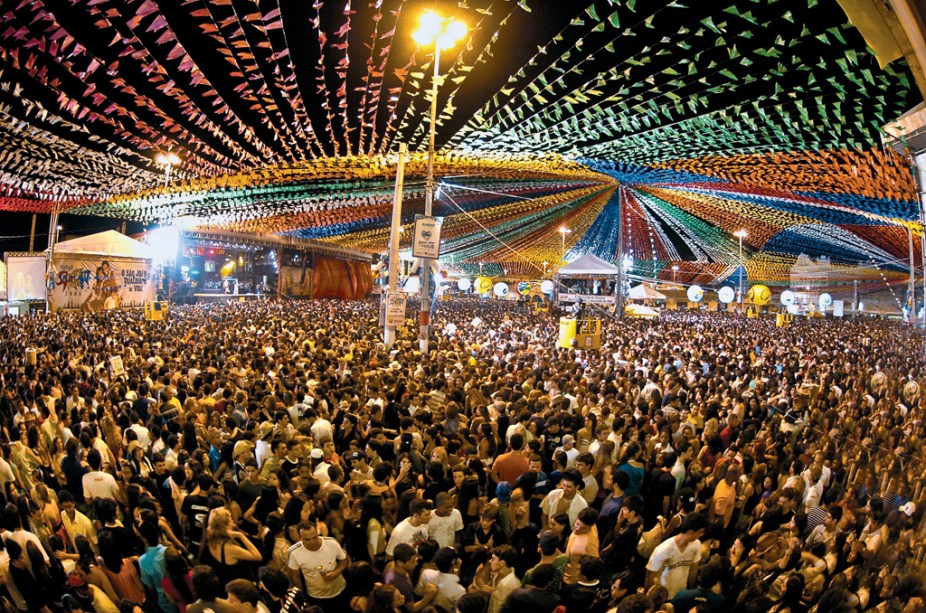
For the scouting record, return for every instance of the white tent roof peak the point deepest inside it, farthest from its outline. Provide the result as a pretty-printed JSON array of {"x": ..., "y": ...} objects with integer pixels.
[
  {"x": 645, "y": 292},
  {"x": 110, "y": 242},
  {"x": 589, "y": 264}
]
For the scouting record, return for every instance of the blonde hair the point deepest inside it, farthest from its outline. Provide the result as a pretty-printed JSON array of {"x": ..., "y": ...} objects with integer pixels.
[{"x": 219, "y": 522}]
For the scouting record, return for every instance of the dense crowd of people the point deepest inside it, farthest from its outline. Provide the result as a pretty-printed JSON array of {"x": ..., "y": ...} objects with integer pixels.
[{"x": 276, "y": 456}]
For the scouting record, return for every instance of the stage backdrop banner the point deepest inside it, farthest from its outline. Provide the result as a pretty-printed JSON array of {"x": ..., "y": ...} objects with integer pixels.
[
  {"x": 341, "y": 279},
  {"x": 96, "y": 283},
  {"x": 25, "y": 277},
  {"x": 296, "y": 281}
]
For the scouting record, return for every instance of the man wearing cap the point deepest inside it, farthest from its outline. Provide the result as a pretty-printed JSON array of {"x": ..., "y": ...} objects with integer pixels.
[
  {"x": 565, "y": 499},
  {"x": 262, "y": 447},
  {"x": 570, "y": 450},
  {"x": 360, "y": 469},
  {"x": 240, "y": 454}
]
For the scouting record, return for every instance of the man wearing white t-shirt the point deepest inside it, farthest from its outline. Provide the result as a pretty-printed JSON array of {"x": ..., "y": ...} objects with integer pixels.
[
  {"x": 445, "y": 521},
  {"x": 674, "y": 562},
  {"x": 413, "y": 529},
  {"x": 99, "y": 484},
  {"x": 317, "y": 563}
]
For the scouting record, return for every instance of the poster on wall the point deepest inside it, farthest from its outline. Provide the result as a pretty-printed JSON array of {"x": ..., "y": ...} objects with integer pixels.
[
  {"x": 296, "y": 281},
  {"x": 98, "y": 283},
  {"x": 25, "y": 277}
]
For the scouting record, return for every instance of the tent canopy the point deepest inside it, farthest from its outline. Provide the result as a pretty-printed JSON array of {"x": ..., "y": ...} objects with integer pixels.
[
  {"x": 645, "y": 292},
  {"x": 638, "y": 310},
  {"x": 589, "y": 264},
  {"x": 110, "y": 242}
]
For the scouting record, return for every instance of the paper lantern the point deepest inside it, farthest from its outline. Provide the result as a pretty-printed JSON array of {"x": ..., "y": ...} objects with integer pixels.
[
  {"x": 524, "y": 288},
  {"x": 792, "y": 308},
  {"x": 825, "y": 301},
  {"x": 501, "y": 289},
  {"x": 695, "y": 293},
  {"x": 726, "y": 294},
  {"x": 464, "y": 284},
  {"x": 760, "y": 295},
  {"x": 546, "y": 287},
  {"x": 483, "y": 285},
  {"x": 787, "y": 298}
]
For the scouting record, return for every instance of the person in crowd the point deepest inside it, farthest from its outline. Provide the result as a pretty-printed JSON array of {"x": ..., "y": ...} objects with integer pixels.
[{"x": 298, "y": 462}]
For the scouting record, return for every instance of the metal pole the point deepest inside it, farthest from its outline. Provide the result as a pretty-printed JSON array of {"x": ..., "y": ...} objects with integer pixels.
[
  {"x": 389, "y": 331},
  {"x": 32, "y": 234},
  {"x": 563, "y": 259},
  {"x": 425, "y": 296},
  {"x": 911, "y": 290},
  {"x": 741, "y": 271},
  {"x": 52, "y": 239},
  {"x": 620, "y": 252}
]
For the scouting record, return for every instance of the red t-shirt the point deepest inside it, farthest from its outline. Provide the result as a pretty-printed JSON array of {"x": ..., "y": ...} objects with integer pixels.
[{"x": 510, "y": 466}]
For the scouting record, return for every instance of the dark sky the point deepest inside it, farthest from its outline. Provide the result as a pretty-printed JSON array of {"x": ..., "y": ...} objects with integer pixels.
[{"x": 14, "y": 235}]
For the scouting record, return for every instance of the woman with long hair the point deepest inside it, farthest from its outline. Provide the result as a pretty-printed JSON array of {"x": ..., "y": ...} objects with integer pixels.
[
  {"x": 90, "y": 570},
  {"x": 121, "y": 572},
  {"x": 372, "y": 524},
  {"x": 385, "y": 599},
  {"x": 275, "y": 546},
  {"x": 227, "y": 549},
  {"x": 178, "y": 579}
]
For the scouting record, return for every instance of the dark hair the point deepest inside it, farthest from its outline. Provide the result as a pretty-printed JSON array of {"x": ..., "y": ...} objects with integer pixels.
[
  {"x": 634, "y": 503},
  {"x": 206, "y": 583},
  {"x": 417, "y": 506},
  {"x": 543, "y": 575},
  {"x": 591, "y": 567},
  {"x": 404, "y": 552},
  {"x": 693, "y": 523},
  {"x": 244, "y": 590},
  {"x": 275, "y": 582},
  {"x": 507, "y": 554},
  {"x": 176, "y": 568},
  {"x": 445, "y": 558}
]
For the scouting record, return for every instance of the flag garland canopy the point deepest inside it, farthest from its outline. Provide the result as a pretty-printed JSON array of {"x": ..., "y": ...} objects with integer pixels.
[{"x": 659, "y": 126}]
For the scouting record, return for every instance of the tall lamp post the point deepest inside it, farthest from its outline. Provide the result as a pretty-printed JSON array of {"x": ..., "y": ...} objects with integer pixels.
[
  {"x": 443, "y": 33},
  {"x": 168, "y": 161},
  {"x": 563, "y": 230},
  {"x": 741, "y": 234}
]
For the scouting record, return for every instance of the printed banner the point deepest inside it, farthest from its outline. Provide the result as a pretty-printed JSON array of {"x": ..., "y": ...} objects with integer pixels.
[
  {"x": 395, "y": 310},
  {"x": 296, "y": 281},
  {"x": 96, "y": 283},
  {"x": 588, "y": 299},
  {"x": 427, "y": 237}
]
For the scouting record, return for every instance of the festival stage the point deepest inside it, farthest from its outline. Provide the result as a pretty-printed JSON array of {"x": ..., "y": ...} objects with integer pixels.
[{"x": 209, "y": 298}]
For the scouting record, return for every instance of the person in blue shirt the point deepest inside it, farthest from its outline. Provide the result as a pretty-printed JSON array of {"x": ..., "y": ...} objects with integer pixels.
[{"x": 151, "y": 564}]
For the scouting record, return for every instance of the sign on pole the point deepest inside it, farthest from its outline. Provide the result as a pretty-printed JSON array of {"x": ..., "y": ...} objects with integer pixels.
[
  {"x": 427, "y": 237},
  {"x": 395, "y": 310}
]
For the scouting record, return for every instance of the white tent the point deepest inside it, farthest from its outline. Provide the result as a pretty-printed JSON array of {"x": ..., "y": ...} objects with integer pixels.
[
  {"x": 2, "y": 280},
  {"x": 645, "y": 292},
  {"x": 588, "y": 264},
  {"x": 110, "y": 242},
  {"x": 638, "y": 310}
]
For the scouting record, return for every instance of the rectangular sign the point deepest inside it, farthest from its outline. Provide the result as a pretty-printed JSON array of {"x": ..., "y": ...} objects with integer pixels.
[
  {"x": 395, "y": 310},
  {"x": 838, "y": 308},
  {"x": 590, "y": 299},
  {"x": 96, "y": 283},
  {"x": 427, "y": 237}
]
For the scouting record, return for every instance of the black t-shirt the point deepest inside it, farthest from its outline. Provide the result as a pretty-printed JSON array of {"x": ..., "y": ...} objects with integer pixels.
[{"x": 196, "y": 509}]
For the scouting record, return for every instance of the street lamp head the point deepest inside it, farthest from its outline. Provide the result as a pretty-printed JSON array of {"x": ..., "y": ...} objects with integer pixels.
[
  {"x": 675, "y": 267},
  {"x": 167, "y": 159},
  {"x": 741, "y": 234},
  {"x": 564, "y": 230},
  {"x": 444, "y": 32}
]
